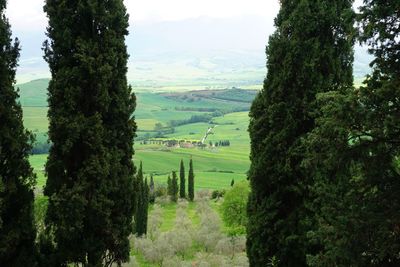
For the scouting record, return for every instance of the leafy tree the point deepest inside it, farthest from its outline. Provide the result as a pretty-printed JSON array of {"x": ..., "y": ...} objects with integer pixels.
[
  {"x": 355, "y": 152},
  {"x": 191, "y": 181},
  {"x": 90, "y": 170},
  {"x": 309, "y": 53},
  {"x": 17, "y": 230},
  {"x": 234, "y": 206},
  {"x": 174, "y": 187},
  {"x": 182, "y": 181}
]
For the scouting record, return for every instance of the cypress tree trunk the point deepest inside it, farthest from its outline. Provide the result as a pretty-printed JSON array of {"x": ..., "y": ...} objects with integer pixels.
[
  {"x": 89, "y": 169},
  {"x": 310, "y": 53},
  {"x": 191, "y": 181},
  {"x": 17, "y": 230},
  {"x": 182, "y": 183}
]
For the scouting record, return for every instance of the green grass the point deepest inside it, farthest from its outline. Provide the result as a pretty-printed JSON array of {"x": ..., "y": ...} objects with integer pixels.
[
  {"x": 169, "y": 215},
  {"x": 214, "y": 167},
  {"x": 35, "y": 119}
]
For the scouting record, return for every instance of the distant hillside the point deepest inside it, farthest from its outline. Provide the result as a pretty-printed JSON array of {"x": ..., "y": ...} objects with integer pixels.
[
  {"x": 34, "y": 93},
  {"x": 172, "y": 108}
]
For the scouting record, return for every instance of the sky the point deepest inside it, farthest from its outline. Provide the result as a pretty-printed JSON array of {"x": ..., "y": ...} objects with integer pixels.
[
  {"x": 27, "y": 15},
  {"x": 243, "y": 24}
]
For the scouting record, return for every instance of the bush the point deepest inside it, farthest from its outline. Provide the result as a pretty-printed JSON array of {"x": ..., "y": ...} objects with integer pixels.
[
  {"x": 234, "y": 205},
  {"x": 160, "y": 190},
  {"x": 203, "y": 194},
  {"x": 216, "y": 194}
]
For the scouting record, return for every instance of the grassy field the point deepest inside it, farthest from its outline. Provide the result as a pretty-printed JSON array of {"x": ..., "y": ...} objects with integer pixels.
[{"x": 215, "y": 167}]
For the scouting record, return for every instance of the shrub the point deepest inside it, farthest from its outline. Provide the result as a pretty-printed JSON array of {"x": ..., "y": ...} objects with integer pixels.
[{"x": 234, "y": 207}]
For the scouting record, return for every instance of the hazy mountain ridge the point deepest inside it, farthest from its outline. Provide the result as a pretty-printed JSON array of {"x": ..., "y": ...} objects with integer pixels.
[{"x": 197, "y": 52}]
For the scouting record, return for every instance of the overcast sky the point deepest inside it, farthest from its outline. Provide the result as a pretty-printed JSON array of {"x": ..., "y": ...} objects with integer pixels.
[
  {"x": 28, "y": 22},
  {"x": 27, "y": 15}
]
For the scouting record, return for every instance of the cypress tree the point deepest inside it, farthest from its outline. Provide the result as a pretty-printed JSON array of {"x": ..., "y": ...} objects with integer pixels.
[
  {"x": 182, "y": 183},
  {"x": 191, "y": 181},
  {"x": 232, "y": 182},
  {"x": 152, "y": 193},
  {"x": 139, "y": 201},
  {"x": 357, "y": 151},
  {"x": 169, "y": 186},
  {"x": 146, "y": 191},
  {"x": 174, "y": 187},
  {"x": 310, "y": 53},
  {"x": 89, "y": 169},
  {"x": 141, "y": 214},
  {"x": 17, "y": 230}
]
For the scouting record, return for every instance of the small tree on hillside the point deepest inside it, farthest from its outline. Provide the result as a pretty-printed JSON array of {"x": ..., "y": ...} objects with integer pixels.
[
  {"x": 182, "y": 183},
  {"x": 174, "y": 187},
  {"x": 143, "y": 204},
  {"x": 169, "y": 186},
  {"x": 152, "y": 192},
  {"x": 191, "y": 181}
]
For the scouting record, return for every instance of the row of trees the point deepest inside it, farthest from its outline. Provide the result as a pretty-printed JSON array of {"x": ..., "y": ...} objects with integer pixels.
[
  {"x": 91, "y": 190},
  {"x": 174, "y": 189},
  {"x": 220, "y": 143},
  {"x": 325, "y": 170}
]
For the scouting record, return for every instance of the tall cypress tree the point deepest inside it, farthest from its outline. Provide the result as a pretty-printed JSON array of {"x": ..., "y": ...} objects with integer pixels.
[
  {"x": 146, "y": 191},
  {"x": 169, "y": 185},
  {"x": 174, "y": 187},
  {"x": 89, "y": 169},
  {"x": 357, "y": 151},
  {"x": 182, "y": 182},
  {"x": 152, "y": 193},
  {"x": 142, "y": 203},
  {"x": 17, "y": 231},
  {"x": 310, "y": 53},
  {"x": 191, "y": 181}
]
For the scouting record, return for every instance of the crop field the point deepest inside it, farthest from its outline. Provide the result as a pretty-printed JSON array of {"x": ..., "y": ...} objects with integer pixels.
[{"x": 215, "y": 167}]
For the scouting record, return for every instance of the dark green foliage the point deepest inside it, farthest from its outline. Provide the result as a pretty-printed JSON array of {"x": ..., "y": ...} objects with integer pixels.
[
  {"x": 17, "y": 230},
  {"x": 182, "y": 181},
  {"x": 142, "y": 204},
  {"x": 152, "y": 190},
  {"x": 90, "y": 170},
  {"x": 191, "y": 181},
  {"x": 217, "y": 194},
  {"x": 356, "y": 148},
  {"x": 310, "y": 53},
  {"x": 174, "y": 187},
  {"x": 169, "y": 186},
  {"x": 232, "y": 182}
]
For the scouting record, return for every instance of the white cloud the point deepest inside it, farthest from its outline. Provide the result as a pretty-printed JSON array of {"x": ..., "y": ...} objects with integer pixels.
[{"x": 26, "y": 15}]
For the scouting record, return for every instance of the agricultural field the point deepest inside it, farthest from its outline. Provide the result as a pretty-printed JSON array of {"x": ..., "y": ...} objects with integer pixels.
[
  {"x": 188, "y": 234},
  {"x": 215, "y": 167}
]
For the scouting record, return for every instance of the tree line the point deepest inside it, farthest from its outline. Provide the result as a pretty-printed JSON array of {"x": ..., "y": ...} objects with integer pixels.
[
  {"x": 325, "y": 169},
  {"x": 177, "y": 189}
]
